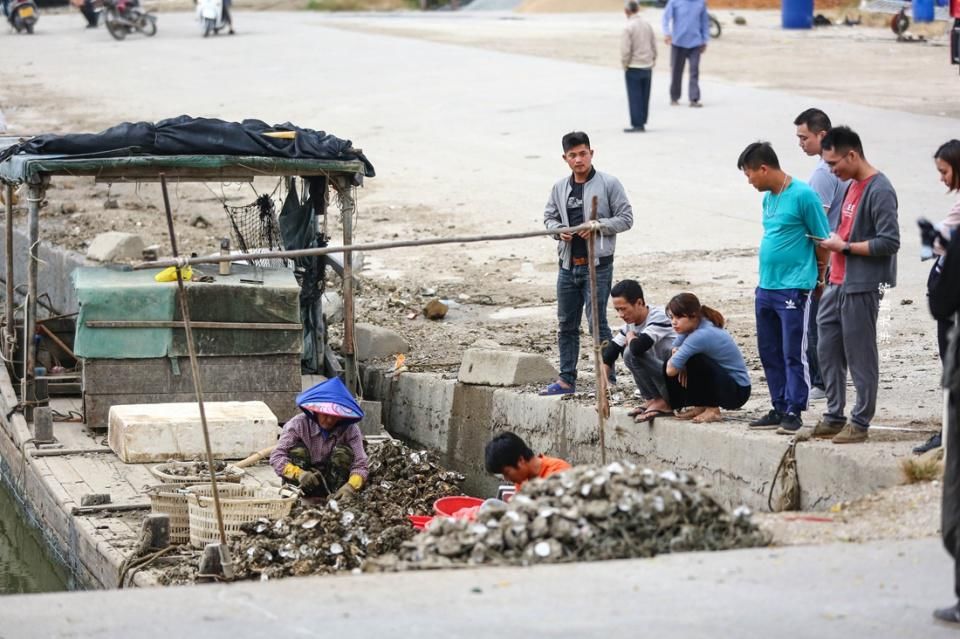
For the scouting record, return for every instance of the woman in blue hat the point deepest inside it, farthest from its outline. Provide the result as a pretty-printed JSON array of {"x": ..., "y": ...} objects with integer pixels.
[{"x": 328, "y": 440}]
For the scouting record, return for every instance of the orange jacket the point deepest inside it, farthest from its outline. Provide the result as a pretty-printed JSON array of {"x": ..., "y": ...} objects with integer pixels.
[{"x": 549, "y": 466}]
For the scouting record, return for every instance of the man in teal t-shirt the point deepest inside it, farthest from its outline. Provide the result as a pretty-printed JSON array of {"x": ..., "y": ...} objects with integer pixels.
[{"x": 791, "y": 269}]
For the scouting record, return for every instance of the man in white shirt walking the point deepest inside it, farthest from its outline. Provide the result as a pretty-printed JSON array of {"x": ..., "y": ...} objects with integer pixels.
[{"x": 638, "y": 54}]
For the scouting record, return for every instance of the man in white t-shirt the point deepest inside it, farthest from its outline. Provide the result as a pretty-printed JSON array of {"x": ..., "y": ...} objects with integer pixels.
[{"x": 646, "y": 342}]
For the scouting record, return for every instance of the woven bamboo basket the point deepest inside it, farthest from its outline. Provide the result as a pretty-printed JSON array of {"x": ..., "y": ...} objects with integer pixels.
[
  {"x": 171, "y": 499},
  {"x": 239, "y": 505},
  {"x": 230, "y": 474}
]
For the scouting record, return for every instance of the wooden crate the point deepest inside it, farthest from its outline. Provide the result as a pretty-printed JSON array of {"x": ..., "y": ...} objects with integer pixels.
[{"x": 272, "y": 379}]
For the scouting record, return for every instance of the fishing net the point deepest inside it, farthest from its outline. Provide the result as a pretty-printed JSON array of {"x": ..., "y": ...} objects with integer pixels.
[{"x": 254, "y": 228}]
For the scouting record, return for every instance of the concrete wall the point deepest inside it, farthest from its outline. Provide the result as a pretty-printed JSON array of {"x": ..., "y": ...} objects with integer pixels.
[
  {"x": 739, "y": 465},
  {"x": 54, "y": 273}
]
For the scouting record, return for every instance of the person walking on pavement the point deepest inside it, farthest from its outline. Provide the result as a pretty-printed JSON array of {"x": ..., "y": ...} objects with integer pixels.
[
  {"x": 645, "y": 342},
  {"x": 947, "y": 160},
  {"x": 569, "y": 205},
  {"x": 812, "y": 125},
  {"x": 944, "y": 306},
  {"x": 686, "y": 29},
  {"x": 638, "y": 54},
  {"x": 790, "y": 271},
  {"x": 863, "y": 264}
]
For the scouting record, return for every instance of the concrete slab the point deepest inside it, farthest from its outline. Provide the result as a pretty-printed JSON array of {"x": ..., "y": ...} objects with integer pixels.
[
  {"x": 374, "y": 342},
  {"x": 113, "y": 246},
  {"x": 140, "y": 433},
  {"x": 504, "y": 368},
  {"x": 372, "y": 422},
  {"x": 878, "y": 590}
]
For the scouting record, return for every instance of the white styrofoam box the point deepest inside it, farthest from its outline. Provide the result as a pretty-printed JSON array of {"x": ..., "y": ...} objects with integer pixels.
[{"x": 140, "y": 433}]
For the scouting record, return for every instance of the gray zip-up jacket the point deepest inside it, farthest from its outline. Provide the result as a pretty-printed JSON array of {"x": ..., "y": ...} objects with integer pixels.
[
  {"x": 876, "y": 222},
  {"x": 614, "y": 212}
]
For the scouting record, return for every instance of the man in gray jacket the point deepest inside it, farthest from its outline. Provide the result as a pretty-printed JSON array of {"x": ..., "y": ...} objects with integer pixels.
[
  {"x": 863, "y": 265},
  {"x": 569, "y": 205},
  {"x": 638, "y": 54}
]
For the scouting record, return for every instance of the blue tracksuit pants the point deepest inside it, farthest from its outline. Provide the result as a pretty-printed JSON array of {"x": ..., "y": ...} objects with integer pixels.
[{"x": 782, "y": 320}]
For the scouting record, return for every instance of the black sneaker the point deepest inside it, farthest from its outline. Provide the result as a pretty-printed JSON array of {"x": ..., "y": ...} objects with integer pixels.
[
  {"x": 790, "y": 424},
  {"x": 936, "y": 441},
  {"x": 949, "y": 615},
  {"x": 770, "y": 421}
]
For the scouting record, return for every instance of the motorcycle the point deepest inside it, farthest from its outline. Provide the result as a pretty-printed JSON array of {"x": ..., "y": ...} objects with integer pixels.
[
  {"x": 123, "y": 17},
  {"x": 213, "y": 16},
  {"x": 23, "y": 15}
]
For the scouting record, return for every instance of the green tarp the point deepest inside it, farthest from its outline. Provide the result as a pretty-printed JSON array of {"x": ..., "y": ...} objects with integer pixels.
[{"x": 110, "y": 295}]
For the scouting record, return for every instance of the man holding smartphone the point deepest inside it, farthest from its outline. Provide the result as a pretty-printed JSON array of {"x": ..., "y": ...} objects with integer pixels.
[{"x": 791, "y": 268}]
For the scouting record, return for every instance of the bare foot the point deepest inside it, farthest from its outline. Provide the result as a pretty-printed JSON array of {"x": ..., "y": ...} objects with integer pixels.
[
  {"x": 691, "y": 412},
  {"x": 711, "y": 414},
  {"x": 641, "y": 409}
]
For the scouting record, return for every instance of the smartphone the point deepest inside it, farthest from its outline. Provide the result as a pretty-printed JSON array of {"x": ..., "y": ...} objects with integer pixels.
[{"x": 815, "y": 238}]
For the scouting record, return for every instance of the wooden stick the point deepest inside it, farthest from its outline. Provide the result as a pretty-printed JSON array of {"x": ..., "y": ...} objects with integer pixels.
[
  {"x": 60, "y": 452},
  {"x": 89, "y": 510},
  {"x": 195, "y": 366},
  {"x": 241, "y": 326},
  {"x": 603, "y": 404},
  {"x": 255, "y": 458},
  {"x": 372, "y": 246},
  {"x": 56, "y": 340}
]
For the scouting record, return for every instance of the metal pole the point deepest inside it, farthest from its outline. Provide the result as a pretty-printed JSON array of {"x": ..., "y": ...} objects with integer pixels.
[
  {"x": 194, "y": 367},
  {"x": 11, "y": 332},
  {"x": 603, "y": 404},
  {"x": 347, "y": 209},
  {"x": 34, "y": 197},
  {"x": 372, "y": 246}
]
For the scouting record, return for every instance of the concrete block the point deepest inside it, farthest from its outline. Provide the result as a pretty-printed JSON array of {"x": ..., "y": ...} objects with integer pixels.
[
  {"x": 504, "y": 368},
  {"x": 140, "y": 433},
  {"x": 372, "y": 422},
  {"x": 374, "y": 342},
  {"x": 113, "y": 246}
]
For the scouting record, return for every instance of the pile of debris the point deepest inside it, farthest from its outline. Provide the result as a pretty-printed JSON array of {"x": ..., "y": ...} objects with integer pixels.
[
  {"x": 340, "y": 536},
  {"x": 589, "y": 513}
]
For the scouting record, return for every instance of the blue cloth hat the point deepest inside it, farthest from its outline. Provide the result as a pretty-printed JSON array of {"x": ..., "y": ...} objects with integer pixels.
[{"x": 331, "y": 398}]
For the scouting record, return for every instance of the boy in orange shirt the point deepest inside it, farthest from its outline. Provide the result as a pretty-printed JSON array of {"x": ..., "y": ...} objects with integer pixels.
[{"x": 508, "y": 455}]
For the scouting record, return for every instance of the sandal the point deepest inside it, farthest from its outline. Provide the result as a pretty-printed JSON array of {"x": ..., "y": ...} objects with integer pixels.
[
  {"x": 557, "y": 389},
  {"x": 650, "y": 415}
]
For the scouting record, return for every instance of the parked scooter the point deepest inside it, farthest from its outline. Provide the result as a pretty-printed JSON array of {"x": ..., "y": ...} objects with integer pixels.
[
  {"x": 123, "y": 17},
  {"x": 23, "y": 15},
  {"x": 214, "y": 16}
]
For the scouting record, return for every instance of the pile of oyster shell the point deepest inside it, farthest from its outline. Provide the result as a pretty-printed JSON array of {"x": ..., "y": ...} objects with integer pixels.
[
  {"x": 585, "y": 514},
  {"x": 340, "y": 535}
]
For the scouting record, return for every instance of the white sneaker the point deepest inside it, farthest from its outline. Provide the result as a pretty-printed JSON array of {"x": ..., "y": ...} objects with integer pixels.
[{"x": 817, "y": 393}]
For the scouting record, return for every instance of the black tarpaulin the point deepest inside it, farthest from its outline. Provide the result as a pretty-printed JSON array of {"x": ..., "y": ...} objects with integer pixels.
[{"x": 185, "y": 135}]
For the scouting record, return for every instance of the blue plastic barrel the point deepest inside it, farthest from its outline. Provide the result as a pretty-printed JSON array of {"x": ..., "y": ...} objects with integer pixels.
[
  {"x": 797, "y": 14},
  {"x": 923, "y": 10}
]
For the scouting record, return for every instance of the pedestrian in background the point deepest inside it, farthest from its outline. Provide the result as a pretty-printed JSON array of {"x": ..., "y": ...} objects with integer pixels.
[
  {"x": 947, "y": 161},
  {"x": 812, "y": 125},
  {"x": 706, "y": 371},
  {"x": 863, "y": 264},
  {"x": 569, "y": 205},
  {"x": 686, "y": 29},
  {"x": 638, "y": 54},
  {"x": 790, "y": 271}
]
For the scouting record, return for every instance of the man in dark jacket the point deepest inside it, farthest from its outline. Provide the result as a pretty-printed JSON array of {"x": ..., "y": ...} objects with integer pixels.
[
  {"x": 863, "y": 265},
  {"x": 944, "y": 304}
]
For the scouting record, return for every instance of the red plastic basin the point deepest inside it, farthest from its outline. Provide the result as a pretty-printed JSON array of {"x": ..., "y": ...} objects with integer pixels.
[
  {"x": 446, "y": 506},
  {"x": 420, "y": 521}
]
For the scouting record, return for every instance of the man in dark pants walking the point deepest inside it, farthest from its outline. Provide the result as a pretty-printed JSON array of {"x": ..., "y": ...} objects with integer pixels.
[
  {"x": 944, "y": 305},
  {"x": 686, "y": 28},
  {"x": 569, "y": 205},
  {"x": 638, "y": 53}
]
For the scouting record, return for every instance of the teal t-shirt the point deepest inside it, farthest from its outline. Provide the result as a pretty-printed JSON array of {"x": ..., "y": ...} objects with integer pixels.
[{"x": 787, "y": 258}]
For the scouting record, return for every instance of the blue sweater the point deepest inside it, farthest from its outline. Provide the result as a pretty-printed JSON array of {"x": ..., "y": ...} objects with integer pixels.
[{"x": 714, "y": 343}]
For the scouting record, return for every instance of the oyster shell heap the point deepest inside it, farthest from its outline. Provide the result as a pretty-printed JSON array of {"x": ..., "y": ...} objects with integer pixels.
[
  {"x": 585, "y": 514},
  {"x": 339, "y": 536}
]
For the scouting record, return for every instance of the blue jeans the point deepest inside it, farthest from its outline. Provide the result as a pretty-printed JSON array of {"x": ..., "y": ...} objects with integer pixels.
[{"x": 573, "y": 294}]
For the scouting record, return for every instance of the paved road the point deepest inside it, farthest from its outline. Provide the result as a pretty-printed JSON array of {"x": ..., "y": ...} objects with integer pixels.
[{"x": 842, "y": 591}]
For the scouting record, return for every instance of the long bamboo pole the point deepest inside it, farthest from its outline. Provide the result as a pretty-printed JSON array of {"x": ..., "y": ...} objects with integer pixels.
[
  {"x": 371, "y": 246},
  {"x": 347, "y": 207},
  {"x": 198, "y": 387},
  {"x": 11, "y": 330},
  {"x": 603, "y": 404},
  {"x": 34, "y": 197}
]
